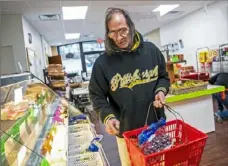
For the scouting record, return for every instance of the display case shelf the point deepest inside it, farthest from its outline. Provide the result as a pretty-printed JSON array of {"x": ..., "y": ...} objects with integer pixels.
[{"x": 23, "y": 138}]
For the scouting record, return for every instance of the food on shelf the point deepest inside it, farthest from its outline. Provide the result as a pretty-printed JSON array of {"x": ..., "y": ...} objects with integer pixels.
[
  {"x": 80, "y": 119},
  {"x": 60, "y": 73},
  {"x": 11, "y": 111},
  {"x": 46, "y": 148},
  {"x": 35, "y": 91},
  {"x": 186, "y": 86},
  {"x": 58, "y": 84},
  {"x": 159, "y": 142},
  {"x": 60, "y": 115}
]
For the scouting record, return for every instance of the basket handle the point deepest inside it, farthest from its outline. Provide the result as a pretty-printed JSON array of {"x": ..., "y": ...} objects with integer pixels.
[
  {"x": 171, "y": 111},
  {"x": 177, "y": 113}
]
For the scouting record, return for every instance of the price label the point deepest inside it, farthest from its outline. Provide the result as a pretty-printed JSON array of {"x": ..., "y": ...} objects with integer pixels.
[{"x": 18, "y": 95}]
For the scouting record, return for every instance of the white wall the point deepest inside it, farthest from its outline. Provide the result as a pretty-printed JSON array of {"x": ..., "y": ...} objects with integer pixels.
[
  {"x": 38, "y": 45},
  {"x": 198, "y": 30},
  {"x": 46, "y": 48},
  {"x": 11, "y": 34},
  {"x": 154, "y": 37}
]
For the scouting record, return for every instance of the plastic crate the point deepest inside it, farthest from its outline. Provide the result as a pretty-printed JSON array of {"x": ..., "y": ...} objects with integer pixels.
[{"x": 187, "y": 150}]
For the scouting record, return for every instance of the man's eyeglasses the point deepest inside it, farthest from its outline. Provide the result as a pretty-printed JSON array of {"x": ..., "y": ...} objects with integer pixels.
[{"x": 122, "y": 32}]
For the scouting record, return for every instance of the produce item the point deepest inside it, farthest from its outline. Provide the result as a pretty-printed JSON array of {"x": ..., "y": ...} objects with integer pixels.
[
  {"x": 159, "y": 142},
  {"x": 154, "y": 138},
  {"x": 187, "y": 84}
]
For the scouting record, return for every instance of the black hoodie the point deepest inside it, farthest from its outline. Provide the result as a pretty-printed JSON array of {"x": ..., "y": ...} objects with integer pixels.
[{"x": 124, "y": 84}]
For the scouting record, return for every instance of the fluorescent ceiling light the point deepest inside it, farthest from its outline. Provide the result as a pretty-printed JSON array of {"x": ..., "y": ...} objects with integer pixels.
[
  {"x": 74, "y": 12},
  {"x": 70, "y": 36},
  {"x": 164, "y": 9}
]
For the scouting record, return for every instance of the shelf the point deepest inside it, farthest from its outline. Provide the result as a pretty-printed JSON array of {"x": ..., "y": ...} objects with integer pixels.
[
  {"x": 8, "y": 125},
  {"x": 46, "y": 128},
  {"x": 171, "y": 63}
]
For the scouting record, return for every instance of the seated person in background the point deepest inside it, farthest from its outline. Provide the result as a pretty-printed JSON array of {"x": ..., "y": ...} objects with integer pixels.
[{"x": 221, "y": 79}]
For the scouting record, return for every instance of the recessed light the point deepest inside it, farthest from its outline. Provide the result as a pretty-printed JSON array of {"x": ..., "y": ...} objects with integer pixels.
[
  {"x": 164, "y": 9},
  {"x": 74, "y": 12},
  {"x": 70, "y": 36}
]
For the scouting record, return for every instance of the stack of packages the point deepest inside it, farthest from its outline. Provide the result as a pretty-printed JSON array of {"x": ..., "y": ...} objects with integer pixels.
[
  {"x": 56, "y": 76},
  {"x": 83, "y": 147}
]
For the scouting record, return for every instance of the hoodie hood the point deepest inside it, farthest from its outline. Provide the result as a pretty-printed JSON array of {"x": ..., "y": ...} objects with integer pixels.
[{"x": 138, "y": 40}]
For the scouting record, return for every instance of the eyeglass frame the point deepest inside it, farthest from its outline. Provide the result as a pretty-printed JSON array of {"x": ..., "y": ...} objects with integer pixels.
[{"x": 118, "y": 32}]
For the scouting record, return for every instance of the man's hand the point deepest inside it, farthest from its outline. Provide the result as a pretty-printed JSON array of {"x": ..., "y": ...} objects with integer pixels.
[
  {"x": 159, "y": 99},
  {"x": 112, "y": 126}
]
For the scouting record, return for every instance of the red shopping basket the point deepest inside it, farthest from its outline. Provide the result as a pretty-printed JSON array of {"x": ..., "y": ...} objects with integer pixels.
[{"x": 187, "y": 150}]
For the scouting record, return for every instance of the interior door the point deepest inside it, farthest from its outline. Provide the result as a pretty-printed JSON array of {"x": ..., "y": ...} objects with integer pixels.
[{"x": 7, "y": 60}]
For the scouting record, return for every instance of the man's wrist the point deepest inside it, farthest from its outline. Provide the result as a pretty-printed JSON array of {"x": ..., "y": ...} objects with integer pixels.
[
  {"x": 161, "y": 89},
  {"x": 110, "y": 116}
]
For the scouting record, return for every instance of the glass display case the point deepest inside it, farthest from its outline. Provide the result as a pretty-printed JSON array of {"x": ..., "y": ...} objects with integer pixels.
[{"x": 35, "y": 128}]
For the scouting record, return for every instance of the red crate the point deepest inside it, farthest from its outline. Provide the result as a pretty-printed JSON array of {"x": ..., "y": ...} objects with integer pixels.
[{"x": 187, "y": 151}]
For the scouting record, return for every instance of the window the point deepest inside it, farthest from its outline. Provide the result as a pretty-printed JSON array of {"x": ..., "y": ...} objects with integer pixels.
[
  {"x": 71, "y": 58},
  {"x": 90, "y": 60},
  {"x": 92, "y": 46}
]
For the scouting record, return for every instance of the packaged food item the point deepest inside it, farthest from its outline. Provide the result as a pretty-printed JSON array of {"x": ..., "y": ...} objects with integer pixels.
[
  {"x": 95, "y": 144},
  {"x": 149, "y": 131},
  {"x": 78, "y": 119},
  {"x": 154, "y": 138},
  {"x": 158, "y": 143}
]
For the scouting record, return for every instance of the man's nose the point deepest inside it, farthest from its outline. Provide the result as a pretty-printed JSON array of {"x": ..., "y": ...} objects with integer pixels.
[{"x": 119, "y": 37}]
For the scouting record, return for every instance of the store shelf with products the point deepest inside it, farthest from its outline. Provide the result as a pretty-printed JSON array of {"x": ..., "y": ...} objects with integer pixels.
[
  {"x": 212, "y": 60},
  {"x": 82, "y": 131},
  {"x": 35, "y": 127},
  {"x": 27, "y": 107},
  {"x": 56, "y": 77}
]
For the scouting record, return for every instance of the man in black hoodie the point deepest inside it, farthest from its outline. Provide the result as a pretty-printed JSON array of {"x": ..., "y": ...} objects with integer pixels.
[{"x": 126, "y": 79}]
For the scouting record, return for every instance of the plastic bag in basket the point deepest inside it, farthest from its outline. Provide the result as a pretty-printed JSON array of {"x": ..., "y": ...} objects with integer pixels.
[
  {"x": 154, "y": 138},
  {"x": 157, "y": 142}
]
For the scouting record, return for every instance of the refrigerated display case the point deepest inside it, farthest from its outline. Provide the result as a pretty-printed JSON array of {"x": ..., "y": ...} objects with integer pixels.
[{"x": 35, "y": 124}]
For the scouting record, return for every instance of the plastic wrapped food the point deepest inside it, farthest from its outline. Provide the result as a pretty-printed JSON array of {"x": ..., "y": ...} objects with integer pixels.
[
  {"x": 158, "y": 143},
  {"x": 154, "y": 138}
]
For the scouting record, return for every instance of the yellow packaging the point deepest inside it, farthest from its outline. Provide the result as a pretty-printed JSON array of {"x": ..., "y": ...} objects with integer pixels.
[{"x": 202, "y": 56}]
